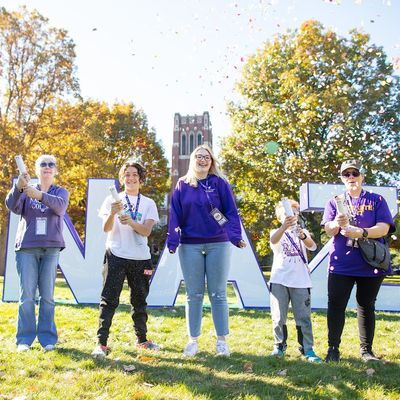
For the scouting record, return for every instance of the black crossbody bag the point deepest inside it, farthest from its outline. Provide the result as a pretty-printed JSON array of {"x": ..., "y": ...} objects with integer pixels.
[{"x": 375, "y": 253}]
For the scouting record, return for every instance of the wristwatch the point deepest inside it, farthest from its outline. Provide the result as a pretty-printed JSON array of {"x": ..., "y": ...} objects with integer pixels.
[{"x": 364, "y": 233}]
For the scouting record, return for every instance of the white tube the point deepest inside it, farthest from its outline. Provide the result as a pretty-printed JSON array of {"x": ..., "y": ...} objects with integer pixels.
[
  {"x": 115, "y": 196},
  {"x": 288, "y": 207},
  {"x": 20, "y": 164},
  {"x": 289, "y": 213},
  {"x": 342, "y": 207}
]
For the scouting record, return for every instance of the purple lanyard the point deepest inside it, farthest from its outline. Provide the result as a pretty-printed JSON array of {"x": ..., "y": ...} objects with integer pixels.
[
  {"x": 354, "y": 210},
  {"x": 206, "y": 190},
  {"x": 133, "y": 215},
  {"x": 297, "y": 248}
]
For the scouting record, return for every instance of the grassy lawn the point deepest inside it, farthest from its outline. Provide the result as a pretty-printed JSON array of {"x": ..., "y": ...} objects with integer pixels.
[{"x": 71, "y": 373}]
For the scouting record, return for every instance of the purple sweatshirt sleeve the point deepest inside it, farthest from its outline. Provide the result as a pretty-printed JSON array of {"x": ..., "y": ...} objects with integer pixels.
[
  {"x": 174, "y": 219},
  {"x": 15, "y": 200},
  {"x": 58, "y": 202},
  {"x": 229, "y": 209}
]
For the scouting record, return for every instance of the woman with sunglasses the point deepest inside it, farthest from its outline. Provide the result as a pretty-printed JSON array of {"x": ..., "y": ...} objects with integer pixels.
[
  {"x": 368, "y": 217},
  {"x": 204, "y": 221},
  {"x": 38, "y": 244}
]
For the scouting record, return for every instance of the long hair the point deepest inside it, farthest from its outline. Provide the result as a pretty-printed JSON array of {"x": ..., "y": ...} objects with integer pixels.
[{"x": 190, "y": 177}]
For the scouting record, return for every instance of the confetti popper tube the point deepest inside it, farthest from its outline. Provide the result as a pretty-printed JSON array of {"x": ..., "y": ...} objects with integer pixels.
[
  {"x": 341, "y": 206},
  {"x": 289, "y": 212},
  {"x": 20, "y": 164},
  {"x": 115, "y": 196}
]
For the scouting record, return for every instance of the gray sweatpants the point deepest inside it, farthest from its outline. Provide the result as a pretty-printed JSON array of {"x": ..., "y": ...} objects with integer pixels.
[{"x": 300, "y": 298}]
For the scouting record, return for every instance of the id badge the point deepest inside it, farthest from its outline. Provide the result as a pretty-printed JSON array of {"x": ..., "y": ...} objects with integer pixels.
[
  {"x": 41, "y": 226},
  {"x": 218, "y": 216}
]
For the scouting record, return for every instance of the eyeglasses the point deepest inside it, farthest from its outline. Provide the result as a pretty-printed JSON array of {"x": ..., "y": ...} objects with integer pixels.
[
  {"x": 47, "y": 164},
  {"x": 355, "y": 174},
  {"x": 201, "y": 157}
]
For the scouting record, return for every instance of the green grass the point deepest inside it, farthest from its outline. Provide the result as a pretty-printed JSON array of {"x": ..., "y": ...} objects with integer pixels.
[{"x": 71, "y": 373}]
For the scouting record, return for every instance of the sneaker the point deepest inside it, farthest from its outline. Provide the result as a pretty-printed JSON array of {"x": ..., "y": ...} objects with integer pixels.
[
  {"x": 369, "y": 356},
  {"x": 222, "y": 349},
  {"x": 149, "y": 345},
  {"x": 101, "y": 351},
  {"x": 191, "y": 349},
  {"x": 333, "y": 354},
  {"x": 312, "y": 357},
  {"x": 49, "y": 347},
  {"x": 22, "y": 348},
  {"x": 278, "y": 351}
]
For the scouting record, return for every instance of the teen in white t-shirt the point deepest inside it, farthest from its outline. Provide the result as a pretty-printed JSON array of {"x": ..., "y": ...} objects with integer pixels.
[
  {"x": 291, "y": 283},
  {"x": 128, "y": 223}
]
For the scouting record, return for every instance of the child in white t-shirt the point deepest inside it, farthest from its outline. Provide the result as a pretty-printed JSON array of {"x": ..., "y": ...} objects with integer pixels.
[{"x": 290, "y": 282}]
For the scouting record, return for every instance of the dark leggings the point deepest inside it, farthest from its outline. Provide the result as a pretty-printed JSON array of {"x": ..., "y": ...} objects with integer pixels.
[{"x": 339, "y": 290}]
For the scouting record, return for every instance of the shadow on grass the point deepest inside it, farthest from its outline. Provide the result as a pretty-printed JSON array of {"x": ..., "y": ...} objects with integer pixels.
[{"x": 222, "y": 378}]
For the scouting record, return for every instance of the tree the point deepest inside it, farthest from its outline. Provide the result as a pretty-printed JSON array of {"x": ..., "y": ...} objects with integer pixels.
[
  {"x": 309, "y": 99},
  {"x": 91, "y": 139},
  {"x": 36, "y": 69}
]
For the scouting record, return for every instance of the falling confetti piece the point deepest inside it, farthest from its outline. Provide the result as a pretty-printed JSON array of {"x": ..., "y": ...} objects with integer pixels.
[{"x": 271, "y": 147}]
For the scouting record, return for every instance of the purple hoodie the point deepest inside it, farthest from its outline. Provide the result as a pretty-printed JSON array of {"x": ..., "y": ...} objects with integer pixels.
[
  {"x": 190, "y": 213},
  {"x": 52, "y": 207}
]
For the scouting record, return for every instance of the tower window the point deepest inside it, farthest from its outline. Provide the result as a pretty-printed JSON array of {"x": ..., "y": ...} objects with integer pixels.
[
  {"x": 183, "y": 144},
  {"x": 199, "y": 139},
  {"x": 191, "y": 142}
]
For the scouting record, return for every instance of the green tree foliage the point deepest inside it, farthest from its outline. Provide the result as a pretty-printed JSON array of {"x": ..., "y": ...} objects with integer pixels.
[{"x": 321, "y": 98}]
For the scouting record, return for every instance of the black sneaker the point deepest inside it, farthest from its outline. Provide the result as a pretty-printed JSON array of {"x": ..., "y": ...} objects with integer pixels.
[
  {"x": 333, "y": 354},
  {"x": 369, "y": 356}
]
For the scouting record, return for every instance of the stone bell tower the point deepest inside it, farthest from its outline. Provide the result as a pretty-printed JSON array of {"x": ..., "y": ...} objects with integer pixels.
[{"x": 190, "y": 131}]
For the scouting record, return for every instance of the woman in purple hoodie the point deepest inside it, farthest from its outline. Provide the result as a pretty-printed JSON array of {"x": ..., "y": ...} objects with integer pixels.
[
  {"x": 38, "y": 244},
  {"x": 204, "y": 221}
]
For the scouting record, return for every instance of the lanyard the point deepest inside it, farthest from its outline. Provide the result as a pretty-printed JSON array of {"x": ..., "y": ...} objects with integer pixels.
[
  {"x": 297, "y": 248},
  {"x": 133, "y": 214},
  {"x": 206, "y": 190},
  {"x": 354, "y": 209}
]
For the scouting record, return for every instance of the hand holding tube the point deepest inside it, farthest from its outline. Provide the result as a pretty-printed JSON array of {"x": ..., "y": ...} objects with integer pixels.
[
  {"x": 291, "y": 219},
  {"x": 116, "y": 206}
]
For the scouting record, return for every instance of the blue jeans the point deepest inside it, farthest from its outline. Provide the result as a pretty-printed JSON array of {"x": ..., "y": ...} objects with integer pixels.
[
  {"x": 198, "y": 262},
  {"x": 37, "y": 269}
]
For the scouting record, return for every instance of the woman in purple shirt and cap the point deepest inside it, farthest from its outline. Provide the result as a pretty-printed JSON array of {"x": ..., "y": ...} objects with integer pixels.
[
  {"x": 368, "y": 217},
  {"x": 204, "y": 221},
  {"x": 37, "y": 246}
]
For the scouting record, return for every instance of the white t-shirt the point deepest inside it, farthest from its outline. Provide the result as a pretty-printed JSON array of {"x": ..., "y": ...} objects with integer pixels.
[
  {"x": 122, "y": 240},
  {"x": 288, "y": 268}
]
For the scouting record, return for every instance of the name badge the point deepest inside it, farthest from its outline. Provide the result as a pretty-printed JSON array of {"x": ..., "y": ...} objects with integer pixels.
[
  {"x": 41, "y": 226},
  {"x": 218, "y": 216}
]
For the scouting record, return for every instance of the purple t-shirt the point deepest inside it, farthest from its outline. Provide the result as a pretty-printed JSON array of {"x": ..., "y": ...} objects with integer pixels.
[
  {"x": 41, "y": 223},
  {"x": 190, "y": 214},
  {"x": 370, "y": 208}
]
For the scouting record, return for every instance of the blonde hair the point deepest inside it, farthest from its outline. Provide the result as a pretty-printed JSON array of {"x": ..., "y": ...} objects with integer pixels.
[
  {"x": 280, "y": 210},
  {"x": 44, "y": 157},
  {"x": 190, "y": 177}
]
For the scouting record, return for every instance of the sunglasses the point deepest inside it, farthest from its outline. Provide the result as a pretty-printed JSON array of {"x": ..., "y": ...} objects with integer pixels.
[
  {"x": 354, "y": 174},
  {"x": 47, "y": 164}
]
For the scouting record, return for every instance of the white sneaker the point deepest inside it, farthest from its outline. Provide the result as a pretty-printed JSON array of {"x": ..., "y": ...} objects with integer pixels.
[
  {"x": 23, "y": 347},
  {"x": 222, "y": 349},
  {"x": 49, "y": 347},
  {"x": 191, "y": 349},
  {"x": 100, "y": 351}
]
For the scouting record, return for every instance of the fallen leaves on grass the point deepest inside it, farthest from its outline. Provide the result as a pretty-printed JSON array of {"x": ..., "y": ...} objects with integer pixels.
[
  {"x": 370, "y": 371},
  {"x": 248, "y": 367},
  {"x": 282, "y": 372},
  {"x": 147, "y": 359},
  {"x": 128, "y": 368}
]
